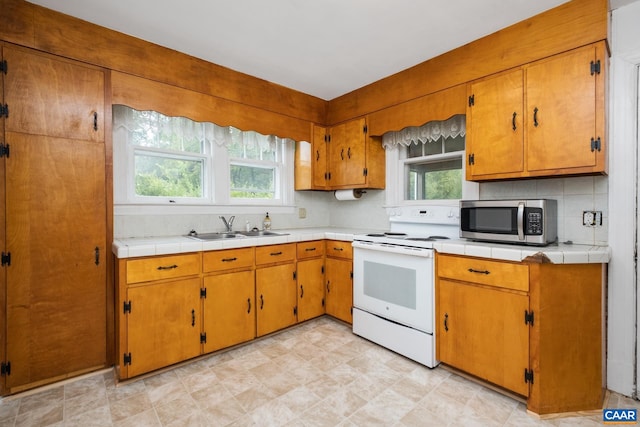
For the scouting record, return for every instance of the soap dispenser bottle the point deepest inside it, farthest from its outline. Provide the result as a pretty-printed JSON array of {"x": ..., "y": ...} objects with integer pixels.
[{"x": 266, "y": 223}]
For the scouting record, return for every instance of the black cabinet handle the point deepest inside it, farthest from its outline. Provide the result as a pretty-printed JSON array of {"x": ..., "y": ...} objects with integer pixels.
[
  {"x": 248, "y": 305},
  {"x": 342, "y": 154},
  {"x": 328, "y": 290},
  {"x": 261, "y": 302},
  {"x": 513, "y": 121},
  {"x": 535, "y": 117},
  {"x": 229, "y": 259},
  {"x": 446, "y": 322},
  {"x": 349, "y": 152},
  {"x": 95, "y": 121},
  {"x": 97, "y": 255},
  {"x": 301, "y": 291},
  {"x": 310, "y": 249},
  {"x": 275, "y": 253},
  {"x": 317, "y": 155},
  {"x": 471, "y": 270},
  {"x": 193, "y": 318},
  {"x": 168, "y": 267}
]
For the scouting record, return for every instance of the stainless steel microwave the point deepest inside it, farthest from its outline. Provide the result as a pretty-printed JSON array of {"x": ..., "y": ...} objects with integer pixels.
[{"x": 528, "y": 222}]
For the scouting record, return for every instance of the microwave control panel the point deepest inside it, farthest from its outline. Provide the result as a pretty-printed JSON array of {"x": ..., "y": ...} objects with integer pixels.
[{"x": 533, "y": 221}]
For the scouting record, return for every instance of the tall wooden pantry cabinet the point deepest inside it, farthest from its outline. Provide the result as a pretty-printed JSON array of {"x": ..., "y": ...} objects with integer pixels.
[{"x": 54, "y": 233}]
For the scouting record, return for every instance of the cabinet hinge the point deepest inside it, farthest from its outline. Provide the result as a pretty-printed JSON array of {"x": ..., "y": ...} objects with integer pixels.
[
  {"x": 595, "y": 67},
  {"x": 365, "y": 129},
  {"x": 295, "y": 275},
  {"x": 203, "y": 292},
  {"x": 472, "y": 159},
  {"x": 365, "y": 172},
  {"x": 528, "y": 375},
  {"x": 5, "y": 369},
  {"x": 126, "y": 360},
  {"x": 295, "y": 310},
  {"x": 472, "y": 100},
  {"x": 322, "y": 269},
  {"x": 327, "y": 176},
  {"x": 323, "y": 302},
  {"x": 596, "y": 144},
  {"x": 528, "y": 318},
  {"x": 126, "y": 307},
  {"x": 6, "y": 258},
  {"x": 4, "y": 110},
  {"x": 3, "y": 66},
  {"x": 203, "y": 338},
  {"x": 351, "y": 274},
  {"x": 327, "y": 138},
  {"x": 4, "y": 150}
]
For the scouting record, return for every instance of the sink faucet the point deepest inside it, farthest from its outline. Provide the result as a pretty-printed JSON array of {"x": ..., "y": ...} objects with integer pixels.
[{"x": 228, "y": 223}]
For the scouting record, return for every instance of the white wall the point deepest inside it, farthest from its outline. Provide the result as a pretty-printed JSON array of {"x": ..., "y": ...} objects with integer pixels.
[{"x": 623, "y": 175}]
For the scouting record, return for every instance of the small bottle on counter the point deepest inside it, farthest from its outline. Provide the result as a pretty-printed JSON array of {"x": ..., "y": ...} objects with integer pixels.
[
  {"x": 266, "y": 223},
  {"x": 247, "y": 226}
]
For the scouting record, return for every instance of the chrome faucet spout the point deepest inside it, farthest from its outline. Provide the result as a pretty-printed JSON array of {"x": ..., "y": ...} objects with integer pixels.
[{"x": 228, "y": 223}]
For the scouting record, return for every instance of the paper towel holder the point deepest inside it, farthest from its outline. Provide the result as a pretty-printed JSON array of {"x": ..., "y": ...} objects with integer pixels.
[{"x": 353, "y": 194}]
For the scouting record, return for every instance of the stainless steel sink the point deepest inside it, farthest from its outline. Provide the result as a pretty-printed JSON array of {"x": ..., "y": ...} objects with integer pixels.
[
  {"x": 212, "y": 236},
  {"x": 260, "y": 233},
  {"x": 234, "y": 234}
]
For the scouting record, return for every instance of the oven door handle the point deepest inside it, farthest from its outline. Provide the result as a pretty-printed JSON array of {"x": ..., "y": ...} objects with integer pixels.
[{"x": 394, "y": 249}]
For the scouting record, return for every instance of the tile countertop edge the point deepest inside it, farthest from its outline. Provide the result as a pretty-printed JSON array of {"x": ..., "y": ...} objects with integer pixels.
[
  {"x": 165, "y": 245},
  {"x": 556, "y": 254}
]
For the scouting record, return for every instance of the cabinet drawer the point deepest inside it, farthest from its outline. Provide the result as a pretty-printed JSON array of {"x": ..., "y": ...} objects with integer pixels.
[
  {"x": 483, "y": 271},
  {"x": 275, "y": 253},
  {"x": 162, "y": 267},
  {"x": 228, "y": 259},
  {"x": 311, "y": 249},
  {"x": 339, "y": 249}
]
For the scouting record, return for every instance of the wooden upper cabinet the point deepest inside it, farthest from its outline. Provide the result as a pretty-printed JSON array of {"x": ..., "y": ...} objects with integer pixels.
[
  {"x": 564, "y": 105},
  {"x": 342, "y": 156},
  {"x": 495, "y": 134},
  {"x": 543, "y": 119},
  {"x": 51, "y": 96}
]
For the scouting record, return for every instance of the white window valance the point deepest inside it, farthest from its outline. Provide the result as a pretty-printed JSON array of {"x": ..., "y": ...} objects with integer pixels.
[{"x": 429, "y": 132}]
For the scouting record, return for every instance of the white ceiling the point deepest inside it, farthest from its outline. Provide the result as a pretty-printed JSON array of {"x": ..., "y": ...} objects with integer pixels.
[{"x": 324, "y": 48}]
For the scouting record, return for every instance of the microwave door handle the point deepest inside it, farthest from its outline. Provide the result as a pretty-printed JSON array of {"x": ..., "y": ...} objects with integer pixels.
[{"x": 521, "y": 221}]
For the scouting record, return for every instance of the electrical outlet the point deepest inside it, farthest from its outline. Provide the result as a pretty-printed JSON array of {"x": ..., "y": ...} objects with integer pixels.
[
  {"x": 302, "y": 213},
  {"x": 591, "y": 218}
]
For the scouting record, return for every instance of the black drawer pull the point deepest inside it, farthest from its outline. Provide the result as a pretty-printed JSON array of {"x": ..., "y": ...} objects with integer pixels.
[
  {"x": 229, "y": 259},
  {"x": 338, "y": 249},
  {"x": 169, "y": 267},
  {"x": 471, "y": 270},
  {"x": 310, "y": 249},
  {"x": 276, "y": 253}
]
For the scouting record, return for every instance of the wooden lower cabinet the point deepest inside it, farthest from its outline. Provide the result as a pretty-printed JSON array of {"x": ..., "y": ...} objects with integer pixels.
[
  {"x": 310, "y": 276},
  {"x": 163, "y": 325},
  {"x": 482, "y": 332},
  {"x": 531, "y": 328},
  {"x": 339, "y": 280},
  {"x": 229, "y": 310},
  {"x": 275, "y": 287}
]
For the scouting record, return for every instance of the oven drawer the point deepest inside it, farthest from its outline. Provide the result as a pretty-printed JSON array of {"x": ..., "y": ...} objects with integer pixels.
[{"x": 502, "y": 274}]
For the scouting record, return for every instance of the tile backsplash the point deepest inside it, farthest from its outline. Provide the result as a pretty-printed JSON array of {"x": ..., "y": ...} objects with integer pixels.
[{"x": 574, "y": 195}]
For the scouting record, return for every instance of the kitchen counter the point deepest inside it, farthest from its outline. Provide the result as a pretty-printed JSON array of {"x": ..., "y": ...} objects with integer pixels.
[
  {"x": 163, "y": 245},
  {"x": 561, "y": 253}
]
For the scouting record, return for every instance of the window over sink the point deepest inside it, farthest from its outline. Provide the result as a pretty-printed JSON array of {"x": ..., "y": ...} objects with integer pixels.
[{"x": 174, "y": 160}]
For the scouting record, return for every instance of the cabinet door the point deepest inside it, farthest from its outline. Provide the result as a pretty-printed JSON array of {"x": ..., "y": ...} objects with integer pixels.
[
  {"x": 310, "y": 289},
  {"x": 319, "y": 158},
  {"x": 275, "y": 298},
  {"x": 495, "y": 126},
  {"x": 352, "y": 156},
  {"x": 337, "y": 135},
  {"x": 339, "y": 288},
  {"x": 482, "y": 331},
  {"x": 164, "y": 324},
  {"x": 561, "y": 108},
  {"x": 54, "y": 97},
  {"x": 56, "y": 234},
  {"x": 229, "y": 310}
]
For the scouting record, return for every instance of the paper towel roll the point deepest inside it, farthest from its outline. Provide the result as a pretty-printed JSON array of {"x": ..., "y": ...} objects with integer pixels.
[{"x": 348, "y": 194}]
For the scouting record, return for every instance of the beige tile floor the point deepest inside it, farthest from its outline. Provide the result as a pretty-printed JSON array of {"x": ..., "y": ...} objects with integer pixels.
[{"x": 314, "y": 374}]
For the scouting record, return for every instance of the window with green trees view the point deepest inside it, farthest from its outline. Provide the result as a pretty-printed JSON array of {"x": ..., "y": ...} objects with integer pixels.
[{"x": 177, "y": 160}]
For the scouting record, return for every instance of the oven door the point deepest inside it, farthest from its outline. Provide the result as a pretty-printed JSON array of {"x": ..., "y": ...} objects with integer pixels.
[{"x": 394, "y": 282}]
